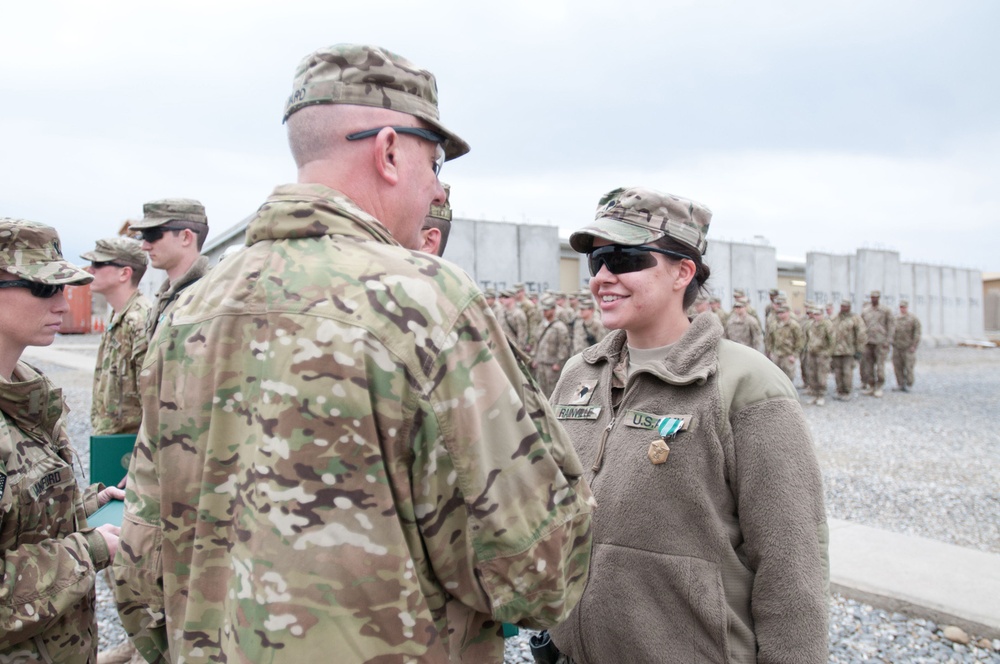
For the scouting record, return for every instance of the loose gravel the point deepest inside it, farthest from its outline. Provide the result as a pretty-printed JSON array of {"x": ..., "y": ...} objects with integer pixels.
[{"x": 924, "y": 463}]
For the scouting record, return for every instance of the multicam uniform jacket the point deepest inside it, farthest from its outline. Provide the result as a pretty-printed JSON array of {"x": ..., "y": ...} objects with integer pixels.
[
  {"x": 49, "y": 556},
  {"x": 169, "y": 292},
  {"x": 116, "y": 407},
  {"x": 341, "y": 459},
  {"x": 849, "y": 334}
]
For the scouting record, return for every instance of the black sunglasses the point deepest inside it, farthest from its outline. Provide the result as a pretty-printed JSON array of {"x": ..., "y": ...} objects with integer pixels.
[
  {"x": 152, "y": 235},
  {"x": 99, "y": 264},
  {"x": 419, "y": 132},
  {"x": 37, "y": 289},
  {"x": 621, "y": 260}
]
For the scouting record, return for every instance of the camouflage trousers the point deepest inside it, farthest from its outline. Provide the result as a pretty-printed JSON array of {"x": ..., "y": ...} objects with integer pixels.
[
  {"x": 843, "y": 371},
  {"x": 873, "y": 365},
  {"x": 787, "y": 364},
  {"x": 903, "y": 361},
  {"x": 816, "y": 370}
]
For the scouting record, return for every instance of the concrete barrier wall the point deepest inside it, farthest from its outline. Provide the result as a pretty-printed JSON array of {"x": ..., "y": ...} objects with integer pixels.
[
  {"x": 498, "y": 255},
  {"x": 735, "y": 265},
  {"x": 947, "y": 300}
]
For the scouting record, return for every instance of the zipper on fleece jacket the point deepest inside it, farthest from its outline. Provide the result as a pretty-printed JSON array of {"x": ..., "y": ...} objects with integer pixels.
[{"x": 627, "y": 392}]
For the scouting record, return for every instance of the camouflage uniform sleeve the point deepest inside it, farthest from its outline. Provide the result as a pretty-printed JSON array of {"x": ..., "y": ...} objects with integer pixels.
[
  {"x": 42, "y": 581},
  {"x": 504, "y": 513},
  {"x": 138, "y": 576}
]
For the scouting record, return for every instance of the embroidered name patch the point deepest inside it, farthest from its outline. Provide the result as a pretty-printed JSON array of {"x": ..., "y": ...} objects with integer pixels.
[
  {"x": 569, "y": 412},
  {"x": 55, "y": 477}
]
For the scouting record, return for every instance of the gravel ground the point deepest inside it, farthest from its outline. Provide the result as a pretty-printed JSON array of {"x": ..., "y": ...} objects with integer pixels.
[{"x": 925, "y": 463}]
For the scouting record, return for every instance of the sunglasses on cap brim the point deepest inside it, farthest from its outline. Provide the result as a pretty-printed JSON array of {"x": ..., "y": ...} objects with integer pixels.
[
  {"x": 620, "y": 259},
  {"x": 36, "y": 288}
]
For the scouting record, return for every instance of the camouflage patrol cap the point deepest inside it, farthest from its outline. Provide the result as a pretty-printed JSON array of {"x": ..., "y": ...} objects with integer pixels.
[
  {"x": 158, "y": 213},
  {"x": 904, "y": 303},
  {"x": 845, "y": 302},
  {"x": 364, "y": 75},
  {"x": 442, "y": 212},
  {"x": 773, "y": 291},
  {"x": 518, "y": 286},
  {"x": 637, "y": 216},
  {"x": 739, "y": 293},
  {"x": 507, "y": 292},
  {"x": 739, "y": 303},
  {"x": 586, "y": 304},
  {"x": 548, "y": 302},
  {"x": 121, "y": 250},
  {"x": 715, "y": 299},
  {"x": 875, "y": 293},
  {"x": 490, "y": 292},
  {"x": 31, "y": 250}
]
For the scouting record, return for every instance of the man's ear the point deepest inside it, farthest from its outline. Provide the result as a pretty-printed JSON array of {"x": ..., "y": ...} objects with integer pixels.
[
  {"x": 125, "y": 275},
  {"x": 387, "y": 155},
  {"x": 431, "y": 240}
]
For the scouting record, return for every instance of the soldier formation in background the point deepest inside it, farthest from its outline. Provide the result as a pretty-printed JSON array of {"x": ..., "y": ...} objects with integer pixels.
[{"x": 905, "y": 339}]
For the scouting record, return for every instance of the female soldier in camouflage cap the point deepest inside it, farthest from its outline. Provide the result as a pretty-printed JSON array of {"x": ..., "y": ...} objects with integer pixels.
[
  {"x": 50, "y": 556},
  {"x": 709, "y": 537}
]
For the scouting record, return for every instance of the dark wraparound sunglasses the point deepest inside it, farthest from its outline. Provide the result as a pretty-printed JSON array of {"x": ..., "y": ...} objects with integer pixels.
[
  {"x": 37, "y": 289},
  {"x": 621, "y": 260},
  {"x": 152, "y": 235},
  {"x": 425, "y": 134},
  {"x": 99, "y": 264}
]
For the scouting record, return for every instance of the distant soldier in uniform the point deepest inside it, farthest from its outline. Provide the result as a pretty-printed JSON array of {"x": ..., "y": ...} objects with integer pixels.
[
  {"x": 531, "y": 313},
  {"x": 879, "y": 325},
  {"x": 829, "y": 310},
  {"x": 715, "y": 304},
  {"x": 743, "y": 328},
  {"x": 491, "y": 300},
  {"x": 563, "y": 311},
  {"x": 772, "y": 295},
  {"x": 117, "y": 265},
  {"x": 437, "y": 226},
  {"x": 905, "y": 340},
  {"x": 785, "y": 341},
  {"x": 819, "y": 347},
  {"x": 339, "y": 453},
  {"x": 849, "y": 342},
  {"x": 173, "y": 232},
  {"x": 512, "y": 320},
  {"x": 587, "y": 329},
  {"x": 739, "y": 295},
  {"x": 552, "y": 347}
]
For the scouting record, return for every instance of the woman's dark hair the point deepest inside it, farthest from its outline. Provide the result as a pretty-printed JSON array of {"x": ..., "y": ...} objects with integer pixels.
[{"x": 701, "y": 273}]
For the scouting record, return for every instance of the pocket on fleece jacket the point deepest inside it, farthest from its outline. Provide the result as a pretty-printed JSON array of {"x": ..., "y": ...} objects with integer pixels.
[{"x": 640, "y": 604}]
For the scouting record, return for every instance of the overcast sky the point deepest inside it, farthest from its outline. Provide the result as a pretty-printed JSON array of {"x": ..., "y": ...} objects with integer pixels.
[{"x": 821, "y": 127}]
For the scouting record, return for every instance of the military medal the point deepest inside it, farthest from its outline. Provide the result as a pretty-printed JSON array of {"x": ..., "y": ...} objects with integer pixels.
[{"x": 658, "y": 449}]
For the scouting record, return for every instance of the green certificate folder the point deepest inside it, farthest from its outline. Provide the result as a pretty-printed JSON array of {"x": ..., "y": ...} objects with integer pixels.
[
  {"x": 113, "y": 513},
  {"x": 109, "y": 457}
]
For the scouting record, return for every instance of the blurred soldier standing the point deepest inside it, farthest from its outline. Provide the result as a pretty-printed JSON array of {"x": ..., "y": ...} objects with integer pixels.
[
  {"x": 715, "y": 304},
  {"x": 849, "y": 341},
  {"x": 531, "y": 314},
  {"x": 552, "y": 347},
  {"x": 173, "y": 232},
  {"x": 563, "y": 311},
  {"x": 117, "y": 265},
  {"x": 785, "y": 340},
  {"x": 587, "y": 329},
  {"x": 512, "y": 320},
  {"x": 819, "y": 347},
  {"x": 339, "y": 452},
  {"x": 879, "y": 325},
  {"x": 743, "y": 328},
  {"x": 905, "y": 340}
]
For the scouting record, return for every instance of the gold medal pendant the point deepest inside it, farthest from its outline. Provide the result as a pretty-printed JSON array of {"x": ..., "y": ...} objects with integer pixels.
[{"x": 658, "y": 451}]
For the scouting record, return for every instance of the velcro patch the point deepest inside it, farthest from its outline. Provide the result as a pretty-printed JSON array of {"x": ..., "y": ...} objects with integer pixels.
[
  {"x": 583, "y": 392},
  {"x": 3, "y": 484}
]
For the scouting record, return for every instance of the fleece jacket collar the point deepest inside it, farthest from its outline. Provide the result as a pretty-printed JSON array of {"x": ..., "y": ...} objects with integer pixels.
[{"x": 692, "y": 359}]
